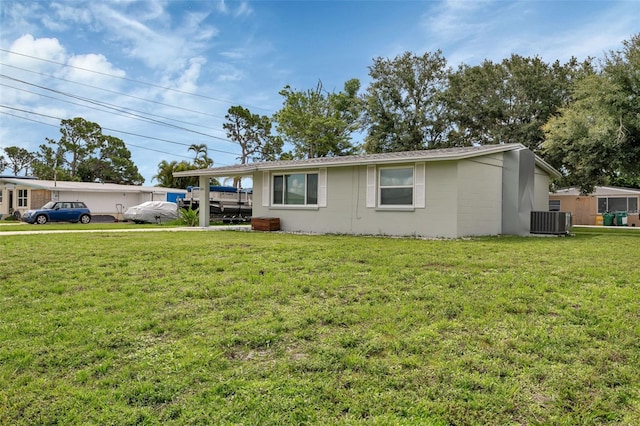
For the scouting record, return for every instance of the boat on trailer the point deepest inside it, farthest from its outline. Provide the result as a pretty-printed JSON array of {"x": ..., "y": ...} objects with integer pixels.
[{"x": 224, "y": 201}]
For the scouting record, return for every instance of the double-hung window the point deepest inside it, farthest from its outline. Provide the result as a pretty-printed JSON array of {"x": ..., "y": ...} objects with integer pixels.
[
  {"x": 22, "y": 197},
  {"x": 396, "y": 186},
  {"x": 295, "y": 189}
]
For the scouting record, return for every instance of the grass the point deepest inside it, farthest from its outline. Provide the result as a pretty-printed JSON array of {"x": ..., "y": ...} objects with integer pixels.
[
  {"x": 13, "y": 226},
  {"x": 258, "y": 328}
]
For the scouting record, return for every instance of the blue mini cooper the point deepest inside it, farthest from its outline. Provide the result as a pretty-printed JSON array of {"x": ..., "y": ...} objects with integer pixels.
[{"x": 59, "y": 211}]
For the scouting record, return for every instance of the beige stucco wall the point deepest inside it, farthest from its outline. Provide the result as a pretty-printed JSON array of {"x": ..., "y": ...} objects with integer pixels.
[
  {"x": 584, "y": 208},
  {"x": 462, "y": 198}
]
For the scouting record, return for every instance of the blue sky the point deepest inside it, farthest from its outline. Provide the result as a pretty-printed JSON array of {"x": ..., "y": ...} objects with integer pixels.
[{"x": 184, "y": 63}]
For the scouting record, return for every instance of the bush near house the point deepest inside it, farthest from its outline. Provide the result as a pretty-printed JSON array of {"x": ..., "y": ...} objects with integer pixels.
[{"x": 260, "y": 328}]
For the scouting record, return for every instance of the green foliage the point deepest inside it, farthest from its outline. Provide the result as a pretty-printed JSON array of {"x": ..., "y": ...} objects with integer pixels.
[
  {"x": 166, "y": 169},
  {"x": 17, "y": 160},
  {"x": 596, "y": 139},
  {"x": 271, "y": 329},
  {"x": 166, "y": 179},
  {"x": 189, "y": 217},
  {"x": 509, "y": 101},
  {"x": 404, "y": 103},
  {"x": 201, "y": 160},
  {"x": 84, "y": 154},
  {"x": 253, "y": 133},
  {"x": 320, "y": 124}
]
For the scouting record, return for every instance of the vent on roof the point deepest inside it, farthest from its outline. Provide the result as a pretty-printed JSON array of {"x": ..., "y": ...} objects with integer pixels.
[{"x": 556, "y": 223}]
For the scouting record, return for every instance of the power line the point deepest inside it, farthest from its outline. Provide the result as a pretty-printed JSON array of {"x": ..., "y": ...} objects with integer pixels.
[
  {"x": 130, "y": 80},
  {"x": 55, "y": 125},
  {"x": 112, "y": 91},
  {"x": 124, "y": 112},
  {"x": 114, "y": 105},
  {"x": 122, "y": 131}
]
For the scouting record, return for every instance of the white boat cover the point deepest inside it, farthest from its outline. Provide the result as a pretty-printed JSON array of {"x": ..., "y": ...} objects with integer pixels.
[{"x": 152, "y": 212}]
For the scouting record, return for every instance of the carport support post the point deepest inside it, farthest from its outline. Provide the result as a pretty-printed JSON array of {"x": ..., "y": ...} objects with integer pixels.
[{"x": 205, "y": 208}]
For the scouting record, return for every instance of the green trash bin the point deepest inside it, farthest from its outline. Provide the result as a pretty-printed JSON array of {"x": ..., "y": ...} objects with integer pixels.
[
  {"x": 608, "y": 219},
  {"x": 621, "y": 218}
]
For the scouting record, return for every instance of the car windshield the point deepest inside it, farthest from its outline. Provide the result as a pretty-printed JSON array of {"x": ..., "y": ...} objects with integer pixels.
[{"x": 49, "y": 205}]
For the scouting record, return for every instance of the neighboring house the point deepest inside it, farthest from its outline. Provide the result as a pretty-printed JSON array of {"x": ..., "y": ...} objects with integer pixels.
[
  {"x": 483, "y": 190},
  {"x": 604, "y": 199},
  {"x": 18, "y": 194}
]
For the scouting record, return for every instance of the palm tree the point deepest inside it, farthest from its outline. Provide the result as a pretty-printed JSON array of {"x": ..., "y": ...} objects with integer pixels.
[
  {"x": 165, "y": 174},
  {"x": 201, "y": 159},
  {"x": 198, "y": 149}
]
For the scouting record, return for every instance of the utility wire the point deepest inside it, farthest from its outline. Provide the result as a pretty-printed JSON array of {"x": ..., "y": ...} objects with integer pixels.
[
  {"x": 122, "y": 131},
  {"x": 112, "y": 91},
  {"x": 105, "y": 103},
  {"x": 129, "y": 79},
  {"x": 123, "y": 112},
  {"x": 129, "y": 144}
]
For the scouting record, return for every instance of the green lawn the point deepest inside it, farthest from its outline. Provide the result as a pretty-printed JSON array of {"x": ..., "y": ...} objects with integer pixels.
[{"x": 271, "y": 329}]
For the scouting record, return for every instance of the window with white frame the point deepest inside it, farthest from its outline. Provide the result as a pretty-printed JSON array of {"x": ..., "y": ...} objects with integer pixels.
[
  {"x": 396, "y": 186},
  {"x": 617, "y": 204},
  {"x": 23, "y": 196},
  {"x": 402, "y": 187},
  {"x": 554, "y": 205},
  {"x": 1, "y": 192},
  {"x": 295, "y": 189}
]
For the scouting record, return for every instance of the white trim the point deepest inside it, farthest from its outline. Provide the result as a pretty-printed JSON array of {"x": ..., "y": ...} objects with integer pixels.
[
  {"x": 322, "y": 187},
  {"x": 371, "y": 186},
  {"x": 306, "y": 175},
  {"x": 380, "y": 187},
  {"x": 419, "y": 195},
  {"x": 266, "y": 189}
]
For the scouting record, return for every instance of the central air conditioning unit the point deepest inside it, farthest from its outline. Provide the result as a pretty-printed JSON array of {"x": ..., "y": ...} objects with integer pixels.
[{"x": 554, "y": 223}]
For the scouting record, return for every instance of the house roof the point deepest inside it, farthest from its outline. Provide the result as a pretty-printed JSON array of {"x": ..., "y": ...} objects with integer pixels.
[
  {"x": 84, "y": 186},
  {"x": 599, "y": 191},
  {"x": 447, "y": 154}
]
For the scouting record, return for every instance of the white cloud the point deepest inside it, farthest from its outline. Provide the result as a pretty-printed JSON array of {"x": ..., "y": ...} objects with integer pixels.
[
  {"x": 188, "y": 81},
  {"x": 93, "y": 69},
  {"x": 157, "y": 44},
  {"x": 221, "y": 6},
  {"x": 64, "y": 16},
  {"x": 44, "y": 48},
  {"x": 473, "y": 31},
  {"x": 16, "y": 18},
  {"x": 243, "y": 8},
  {"x": 234, "y": 54},
  {"x": 227, "y": 72}
]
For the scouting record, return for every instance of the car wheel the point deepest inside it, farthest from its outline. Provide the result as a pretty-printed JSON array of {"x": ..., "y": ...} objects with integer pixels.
[
  {"x": 85, "y": 218},
  {"x": 41, "y": 219}
]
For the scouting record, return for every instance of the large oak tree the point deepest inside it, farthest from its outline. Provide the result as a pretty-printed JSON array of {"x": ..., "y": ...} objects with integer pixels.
[
  {"x": 404, "y": 108},
  {"x": 596, "y": 139},
  {"x": 509, "y": 101}
]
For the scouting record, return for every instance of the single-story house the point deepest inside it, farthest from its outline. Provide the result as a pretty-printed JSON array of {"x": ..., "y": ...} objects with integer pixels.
[
  {"x": 478, "y": 190},
  {"x": 588, "y": 209},
  {"x": 19, "y": 194}
]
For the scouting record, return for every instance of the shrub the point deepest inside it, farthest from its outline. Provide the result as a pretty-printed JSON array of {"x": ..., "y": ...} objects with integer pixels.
[{"x": 189, "y": 216}]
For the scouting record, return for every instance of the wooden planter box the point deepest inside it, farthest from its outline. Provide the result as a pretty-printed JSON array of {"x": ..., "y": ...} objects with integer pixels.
[{"x": 265, "y": 223}]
